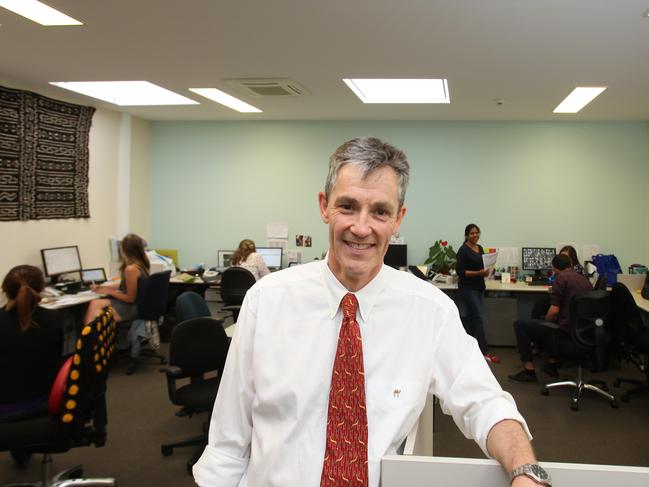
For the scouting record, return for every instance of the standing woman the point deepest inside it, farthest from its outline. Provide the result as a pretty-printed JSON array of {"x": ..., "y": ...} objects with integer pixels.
[
  {"x": 31, "y": 341},
  {"x": 471, "y": 286},
  {"x": 135, "y": 264},
  {"x": 246, "y": 256}
]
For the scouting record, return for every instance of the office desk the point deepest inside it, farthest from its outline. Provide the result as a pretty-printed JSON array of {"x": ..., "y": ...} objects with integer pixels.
[
  {"x": 504, "y": 303},
  {"x": 71, "y": 308}
]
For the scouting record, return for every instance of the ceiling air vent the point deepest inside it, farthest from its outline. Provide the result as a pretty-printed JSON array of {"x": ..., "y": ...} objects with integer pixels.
[{"x": 268, "y": 87}]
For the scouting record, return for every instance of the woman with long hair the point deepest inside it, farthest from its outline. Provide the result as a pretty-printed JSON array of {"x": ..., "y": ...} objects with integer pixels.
[
  {"x": 135, "y": 264},
  {"x": 31, "y": 340},
  {"x": 570, "y": 251},
  {"x": 246, "y": 256},
  {"x": 471, "y": 286}
]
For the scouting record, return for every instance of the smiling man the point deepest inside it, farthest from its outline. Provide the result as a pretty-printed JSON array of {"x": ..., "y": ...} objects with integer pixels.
[{"x": 332, "y": 361}]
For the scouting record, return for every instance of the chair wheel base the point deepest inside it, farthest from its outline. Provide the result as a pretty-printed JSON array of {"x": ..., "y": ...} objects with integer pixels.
[
  {"x": 614, "y": 404},
  {"x": 166, "y": 451},
  {"x": 545, "y": 391},
  {"x": 574, "y": 405}
]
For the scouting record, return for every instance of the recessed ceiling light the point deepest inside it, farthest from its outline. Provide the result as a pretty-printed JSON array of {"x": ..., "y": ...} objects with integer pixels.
[
  {"x": 400, "y": 90},
  {"x": 646, "y": 14},
  {"x": 126, "y": 93},
  {"x": 38, "y": 12},
  {"x": 224, "y": 99},
  {"x": 578, "y": 99}
]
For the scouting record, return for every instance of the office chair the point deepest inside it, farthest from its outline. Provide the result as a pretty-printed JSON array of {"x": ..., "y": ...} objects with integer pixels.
[
  {"x": 198, "y": 346},
  {"x": 235, "y": 282},
  {"x": 600, "y": 283},
  {"x": 588, "y": 341},
  {"x": 191, "y": 305},
  {"x": 630, "y": 338},
  {"x": 76, "y": 413},
  {"x": 151, "y": 305}
]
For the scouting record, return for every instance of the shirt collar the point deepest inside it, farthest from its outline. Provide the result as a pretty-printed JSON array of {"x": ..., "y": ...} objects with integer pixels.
[{"x": 366, "y": 296}]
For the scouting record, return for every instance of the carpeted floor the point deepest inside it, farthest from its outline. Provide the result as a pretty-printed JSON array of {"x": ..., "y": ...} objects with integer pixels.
[{"x": 141, "y": 418}]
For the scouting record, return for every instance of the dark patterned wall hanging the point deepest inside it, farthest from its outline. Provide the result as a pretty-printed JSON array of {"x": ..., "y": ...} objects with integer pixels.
[{"x": 43, "y": 157}]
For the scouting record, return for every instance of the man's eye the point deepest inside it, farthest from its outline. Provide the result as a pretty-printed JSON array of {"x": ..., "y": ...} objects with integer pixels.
[
  {"x": 346, "y": 207},
  {"x": 382, "y": 212}
]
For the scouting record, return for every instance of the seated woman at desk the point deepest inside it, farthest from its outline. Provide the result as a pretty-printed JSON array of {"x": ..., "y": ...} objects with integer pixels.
[
  {"x": 246, "y": 256},
  {"x": 31, "y": 340},
  {"x": 135, "y": 264},
  {"x": 570, "y": 251}
]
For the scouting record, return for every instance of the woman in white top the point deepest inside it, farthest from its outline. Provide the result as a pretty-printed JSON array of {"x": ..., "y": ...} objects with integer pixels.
[{"x": 246, "y": 256}]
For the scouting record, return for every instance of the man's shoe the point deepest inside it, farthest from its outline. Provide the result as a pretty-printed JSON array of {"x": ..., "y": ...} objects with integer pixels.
[
  {"x": 551, "y": 370},
  {"x": 524, "y": 376},
  {"x": 490, "y": 357}
]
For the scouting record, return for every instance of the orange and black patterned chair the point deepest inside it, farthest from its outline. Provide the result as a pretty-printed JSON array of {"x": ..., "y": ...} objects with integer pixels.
[{"x": 76, "y": 413}]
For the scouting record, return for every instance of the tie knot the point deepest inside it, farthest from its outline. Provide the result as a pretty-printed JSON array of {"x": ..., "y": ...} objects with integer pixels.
[{"x": 349, "y": 305}]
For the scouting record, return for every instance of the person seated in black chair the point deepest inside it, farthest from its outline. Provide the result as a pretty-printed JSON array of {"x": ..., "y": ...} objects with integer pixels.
[
  {"x": 31, "y": 340},
  {"x": 246, "y": 256},
  {"x": 135, "y": 264},
  {"x": 567, "y": 284}
]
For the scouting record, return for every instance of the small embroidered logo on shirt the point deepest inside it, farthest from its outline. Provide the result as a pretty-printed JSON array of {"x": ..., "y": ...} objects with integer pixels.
[{"x": 396, "y": 393}]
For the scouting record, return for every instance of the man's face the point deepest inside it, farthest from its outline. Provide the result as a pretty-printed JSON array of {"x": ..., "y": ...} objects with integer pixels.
[{"x": 362, "y": 214}]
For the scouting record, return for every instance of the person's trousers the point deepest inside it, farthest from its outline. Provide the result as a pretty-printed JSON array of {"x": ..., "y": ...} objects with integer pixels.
[
  {"x": 537, "y": 331},
  {"x": 474, "y": 323}
]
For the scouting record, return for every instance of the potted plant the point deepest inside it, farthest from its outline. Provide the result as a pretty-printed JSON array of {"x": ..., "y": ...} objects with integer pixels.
[{"x": 442, "y": 259}]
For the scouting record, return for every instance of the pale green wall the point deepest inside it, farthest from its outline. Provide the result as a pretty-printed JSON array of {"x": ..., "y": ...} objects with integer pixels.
[{"x": 214, "y": 183}]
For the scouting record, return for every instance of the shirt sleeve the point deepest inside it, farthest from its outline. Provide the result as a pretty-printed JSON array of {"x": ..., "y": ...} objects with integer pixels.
[
  {"x": 558, "y": 288},
  {"x": 464, "y": 384},
  {"x": 261, "y": 266},
  {"x": 225, "y": 459},
  {"x": 460, "y": 265}
]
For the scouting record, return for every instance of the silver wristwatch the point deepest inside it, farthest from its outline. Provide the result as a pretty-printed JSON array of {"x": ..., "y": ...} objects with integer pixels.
[{"x": 533, "y": 471}]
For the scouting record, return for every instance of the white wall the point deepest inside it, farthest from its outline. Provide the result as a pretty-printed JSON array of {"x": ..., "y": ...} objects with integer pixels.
[{"x": 20, "y": 242}]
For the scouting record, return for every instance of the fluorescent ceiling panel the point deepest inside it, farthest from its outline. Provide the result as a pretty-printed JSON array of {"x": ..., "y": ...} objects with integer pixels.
[
  {"x": 126, "y": 93},
  {"x": 38, "y": 12},
  {"x": 400, "y": 90},
  {"x": 578, "y": 99},
  {"x": 224, "y": 99}
]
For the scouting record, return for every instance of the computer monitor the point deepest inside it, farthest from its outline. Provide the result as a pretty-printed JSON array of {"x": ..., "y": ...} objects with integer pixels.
[
  {"x": 225, "y": 258},
  {"x": 93, "y": 276},
  {"x": 538, "y": 259},
  {"x": 272, "y": 256},
  {"x": 61, "y": 260},
  {"x": 396, "y": 256}
]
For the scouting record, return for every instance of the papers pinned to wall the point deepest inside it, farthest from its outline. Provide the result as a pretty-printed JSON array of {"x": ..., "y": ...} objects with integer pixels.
[
  {"x": 508, "y": 257},
  {"x": 277, "y": 230}
]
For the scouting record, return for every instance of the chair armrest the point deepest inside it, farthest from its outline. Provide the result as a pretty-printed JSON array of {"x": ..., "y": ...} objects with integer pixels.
[{"x": 172, "y": 371}]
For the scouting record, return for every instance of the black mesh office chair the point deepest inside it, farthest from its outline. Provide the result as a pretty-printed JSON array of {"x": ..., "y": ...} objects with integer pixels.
[
  {"x": 151, "y": 304},
  {"x": 589, "y": 339},
  {"x": 76, "y": 413},
  {"x": 235, "y": 282},
  {"x": 191, "y": 305},
  {"x": 600, "y": 283},
  {"x": 198, "y": 347},
  {"x": 630, "y": 339}
]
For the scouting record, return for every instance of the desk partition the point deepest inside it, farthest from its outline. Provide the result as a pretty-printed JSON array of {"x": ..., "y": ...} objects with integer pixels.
[{"x": 413, "y": 471}]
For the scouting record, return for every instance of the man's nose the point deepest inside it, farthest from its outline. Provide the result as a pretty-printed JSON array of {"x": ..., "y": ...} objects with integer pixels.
[{"x": 361, "y": 227}]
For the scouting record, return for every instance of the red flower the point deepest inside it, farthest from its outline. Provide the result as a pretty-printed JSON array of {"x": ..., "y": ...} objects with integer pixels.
[{"x": 444, "y": 243}]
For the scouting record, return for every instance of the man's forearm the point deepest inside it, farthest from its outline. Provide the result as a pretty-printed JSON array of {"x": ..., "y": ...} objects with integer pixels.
[{"x": 507, "y": 442}]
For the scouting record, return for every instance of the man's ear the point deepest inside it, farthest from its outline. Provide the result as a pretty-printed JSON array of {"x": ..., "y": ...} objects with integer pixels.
[
  {"x": 400, "y": 214},
  {"x": 322, "y": 203}
]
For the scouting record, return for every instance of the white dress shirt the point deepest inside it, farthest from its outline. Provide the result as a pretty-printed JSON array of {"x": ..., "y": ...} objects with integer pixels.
[
  {"x": 255, "y": 264},
  {"x": 268, "y": 426}
]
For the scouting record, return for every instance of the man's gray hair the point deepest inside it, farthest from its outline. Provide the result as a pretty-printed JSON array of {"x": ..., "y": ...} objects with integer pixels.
[{"x": 369, "y": 154}]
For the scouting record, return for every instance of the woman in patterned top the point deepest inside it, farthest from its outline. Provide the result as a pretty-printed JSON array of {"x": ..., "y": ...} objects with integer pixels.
[{"x": 246, "y": 256}]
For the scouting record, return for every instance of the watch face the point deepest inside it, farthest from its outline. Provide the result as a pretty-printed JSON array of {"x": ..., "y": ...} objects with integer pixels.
[{"x": 539, "y": 472}]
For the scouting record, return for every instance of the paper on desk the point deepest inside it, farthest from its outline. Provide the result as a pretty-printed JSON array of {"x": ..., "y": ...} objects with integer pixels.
[{"x": 489, "y": 260}]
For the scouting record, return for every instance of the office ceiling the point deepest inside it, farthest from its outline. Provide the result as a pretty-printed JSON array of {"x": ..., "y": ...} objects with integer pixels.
[{"x": 528, "y": 53}]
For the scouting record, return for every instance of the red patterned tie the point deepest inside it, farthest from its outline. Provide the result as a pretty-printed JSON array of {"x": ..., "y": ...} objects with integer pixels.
[{"x": 345, "y": 461}]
